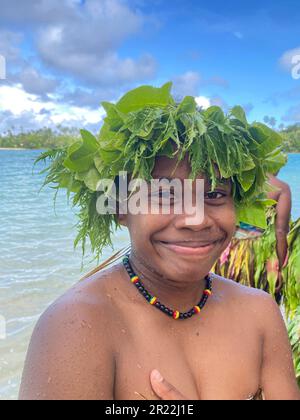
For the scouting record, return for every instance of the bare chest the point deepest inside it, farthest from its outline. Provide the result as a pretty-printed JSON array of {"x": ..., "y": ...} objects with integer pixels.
[{"x": 203, "y": 360}]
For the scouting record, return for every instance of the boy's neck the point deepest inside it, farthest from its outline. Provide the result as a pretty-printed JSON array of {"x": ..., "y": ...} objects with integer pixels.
[{"x": 178, "y": 295}]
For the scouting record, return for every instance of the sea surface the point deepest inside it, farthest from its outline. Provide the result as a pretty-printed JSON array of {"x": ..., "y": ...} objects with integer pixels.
[{"x": 37, "y": 259}]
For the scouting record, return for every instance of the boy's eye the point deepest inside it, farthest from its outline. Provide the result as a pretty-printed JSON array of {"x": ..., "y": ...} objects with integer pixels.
[
  {"x": 164, "y": 194},
  {"x": 215, "y": 195}
]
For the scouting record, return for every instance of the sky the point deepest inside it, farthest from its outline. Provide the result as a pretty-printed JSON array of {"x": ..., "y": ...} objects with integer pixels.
[{"x": 64, "y": 57}]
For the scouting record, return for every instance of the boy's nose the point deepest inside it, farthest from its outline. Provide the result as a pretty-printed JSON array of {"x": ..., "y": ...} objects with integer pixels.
[{"x": 198, "y": 220}]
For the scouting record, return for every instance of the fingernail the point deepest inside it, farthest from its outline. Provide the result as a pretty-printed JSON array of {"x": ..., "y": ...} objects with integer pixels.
[{"x": 157, "y": 376}]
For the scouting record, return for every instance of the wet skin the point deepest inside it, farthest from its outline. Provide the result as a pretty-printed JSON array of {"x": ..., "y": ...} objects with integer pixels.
[{"x": 102, "y": 340}]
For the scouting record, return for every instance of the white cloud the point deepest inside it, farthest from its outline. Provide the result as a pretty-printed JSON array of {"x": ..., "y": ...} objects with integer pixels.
[
  {"x": 286, "y": 60},
  {"x": 16, "y": 100},
  {"x": 203, "y": 102},
  {"x": 18, "y": 104},
  {"x": 86, "y": 46},
  {"x": 81, "y": 40},
  {"x": 34, "y": 82}
]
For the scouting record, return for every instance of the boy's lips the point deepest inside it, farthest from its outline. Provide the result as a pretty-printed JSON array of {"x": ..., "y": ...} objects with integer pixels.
[{"x": 196, "y": 248}]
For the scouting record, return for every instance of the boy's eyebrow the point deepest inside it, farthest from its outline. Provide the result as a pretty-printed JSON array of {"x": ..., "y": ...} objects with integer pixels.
[
  {"x": 220, "y": 181},
  {"x": 223, "y": 181}
]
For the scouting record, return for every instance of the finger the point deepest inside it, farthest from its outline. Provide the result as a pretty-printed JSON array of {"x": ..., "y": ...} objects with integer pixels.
[
  {"x": 279, "y": 283},
  {"x": 163, "y": 389}
]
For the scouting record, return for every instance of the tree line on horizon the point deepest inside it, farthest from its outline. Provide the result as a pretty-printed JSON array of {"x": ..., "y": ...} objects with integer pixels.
[{"x": 48, "y": 138}]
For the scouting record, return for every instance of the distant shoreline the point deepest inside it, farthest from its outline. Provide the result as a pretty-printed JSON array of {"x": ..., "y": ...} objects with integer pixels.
[{"x": 15, "y": 148}]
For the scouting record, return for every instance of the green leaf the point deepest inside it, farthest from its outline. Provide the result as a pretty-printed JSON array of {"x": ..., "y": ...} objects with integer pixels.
[
  {"x": 141, "y": 124},
  {"x": 215, "y": 114},
  {"x": 111, "y": 139},
  {"x": 145, "y": 96},
  {"x": 201, "y": 127},
  {"x": 188, "y": 105},
  {"x": 247, "y": 179},
  {"x": 81, "y": 154},
  {"x": 92, "y": 178},
  {"x": 274, "y": 162},
  {"x": 114, "y": 118},
  {"x": 239, "y": 114},
  {"x": 89, "y": 140},
  {"x": 68, "y": 182},
  {"x": 269, "y": 140},
  {"x": 253, "y": 214},
  {"x": 109, "y": 156},
  {"x": 99, "y": 164}
]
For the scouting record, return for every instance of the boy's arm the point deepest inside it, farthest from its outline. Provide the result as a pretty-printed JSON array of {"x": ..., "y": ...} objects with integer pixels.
[
  {"x": 70, "y": 355},
  {"x": 283, "y": 209},
  {"x": 278, "y": 375},
  {"x": 283, "y": 196}
]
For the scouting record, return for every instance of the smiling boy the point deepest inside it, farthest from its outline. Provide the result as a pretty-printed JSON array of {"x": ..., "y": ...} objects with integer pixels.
[{"x": 161, "y": 309}]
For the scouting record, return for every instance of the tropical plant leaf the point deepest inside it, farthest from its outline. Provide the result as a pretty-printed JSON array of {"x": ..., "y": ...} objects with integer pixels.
[{"x": 137, "y": 98}]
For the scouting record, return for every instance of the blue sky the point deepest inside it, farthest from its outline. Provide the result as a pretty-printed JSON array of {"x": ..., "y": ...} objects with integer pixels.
[{"x": 66, "y": 56}]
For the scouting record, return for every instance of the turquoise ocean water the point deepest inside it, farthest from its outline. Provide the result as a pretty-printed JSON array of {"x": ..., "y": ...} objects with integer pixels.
[{"x": 37, "y": 260}]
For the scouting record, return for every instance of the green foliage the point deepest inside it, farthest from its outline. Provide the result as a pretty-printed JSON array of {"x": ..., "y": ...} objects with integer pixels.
[
  {"x": 294, "y": 335},
  {"x": 147, "y": 123},
  {"x": 291, "y": 137},
  {"x": 291, "y": 272}
]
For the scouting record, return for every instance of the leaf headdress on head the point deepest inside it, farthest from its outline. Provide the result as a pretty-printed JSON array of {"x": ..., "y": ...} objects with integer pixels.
[{"x": 147, "y": 123}]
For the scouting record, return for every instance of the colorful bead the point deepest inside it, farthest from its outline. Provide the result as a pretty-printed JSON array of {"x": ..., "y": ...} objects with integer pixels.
[
  {"x": 135, "y": 280},
  {"x": 207, "y": 292},
  {"x": 197, "y": 309},
  {"x": 176, "y": 314},
  {"x": 153, "y": 300}
]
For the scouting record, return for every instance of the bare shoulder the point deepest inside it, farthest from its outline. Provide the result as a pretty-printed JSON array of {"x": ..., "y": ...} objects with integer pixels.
[
  {"x": 86, "y": 304},
  {"x": 71, "y": 351},
  {"x": 255, "y": 302},
  {"x": 280, "y": 185}
]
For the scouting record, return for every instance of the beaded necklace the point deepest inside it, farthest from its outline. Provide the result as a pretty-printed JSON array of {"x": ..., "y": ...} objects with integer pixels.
[{"x": 153, "y": 300}]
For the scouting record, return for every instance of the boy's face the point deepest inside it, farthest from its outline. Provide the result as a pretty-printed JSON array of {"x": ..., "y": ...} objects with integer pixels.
[{"x": 175, "y": 245}]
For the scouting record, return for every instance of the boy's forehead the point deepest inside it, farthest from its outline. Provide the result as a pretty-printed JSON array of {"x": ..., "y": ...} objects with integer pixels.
[{"x": 170, "y": 169}]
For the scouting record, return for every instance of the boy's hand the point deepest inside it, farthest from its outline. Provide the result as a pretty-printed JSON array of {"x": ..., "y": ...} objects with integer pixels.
[
  {"x": 279, "y": 283},
  {"x": 163, "y": 389}
]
